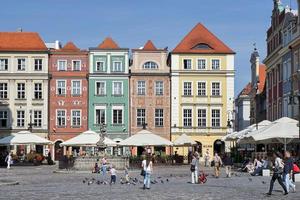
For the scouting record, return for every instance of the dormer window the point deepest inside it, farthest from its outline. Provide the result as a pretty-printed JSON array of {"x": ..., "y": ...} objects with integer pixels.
[
  {"x": 202, "y": 46},
  {"x": 150, "y": 65}
]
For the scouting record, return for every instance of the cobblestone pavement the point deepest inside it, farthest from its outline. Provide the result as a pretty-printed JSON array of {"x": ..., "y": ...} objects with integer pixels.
[{"x": 41, "y": 183}]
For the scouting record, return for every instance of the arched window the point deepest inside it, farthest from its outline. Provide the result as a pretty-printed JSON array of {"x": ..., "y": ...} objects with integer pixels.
[
  {"x": 150, "y": 65},
  {"x": 202, "y": 46}
]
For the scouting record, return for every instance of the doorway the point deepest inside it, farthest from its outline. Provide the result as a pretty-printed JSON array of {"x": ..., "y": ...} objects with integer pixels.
[
  {"x": 219, "y": 147},
  {"x": 58, "y": 151}
]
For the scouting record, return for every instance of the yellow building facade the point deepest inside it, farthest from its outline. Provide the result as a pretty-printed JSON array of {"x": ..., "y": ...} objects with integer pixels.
[{"x": 202, "y": 73}]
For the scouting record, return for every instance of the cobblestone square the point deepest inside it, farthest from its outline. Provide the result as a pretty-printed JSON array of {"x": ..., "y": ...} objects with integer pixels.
[{"x": 42, "y": 183}]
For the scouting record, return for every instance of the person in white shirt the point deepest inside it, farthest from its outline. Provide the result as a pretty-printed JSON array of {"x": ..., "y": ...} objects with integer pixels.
[
  {"x": 148, "y": 169},
  {"x": 258, "y": 167},
  {"x": 113, "y": 175},
  {"x": 206, "y": 158},
  {"x": 8, "y": 160}
]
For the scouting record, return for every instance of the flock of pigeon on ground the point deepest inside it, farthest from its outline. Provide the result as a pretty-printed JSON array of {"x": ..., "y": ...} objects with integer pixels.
[{"x": 159, "y": 180}]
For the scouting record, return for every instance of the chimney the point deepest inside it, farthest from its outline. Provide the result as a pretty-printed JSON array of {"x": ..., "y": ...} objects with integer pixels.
[
  {"x": 57, "y": 44},
  {"x": 19, "y": 30}
]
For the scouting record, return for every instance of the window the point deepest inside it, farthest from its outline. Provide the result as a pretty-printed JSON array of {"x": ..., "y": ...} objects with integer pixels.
[
  {"x": 3, "y": 119},
  {"x": 20, "y": 118},
  {"x": 3, "y": 64},
  {"x": 21, "y": 90},
  {"x": 100, "y": 116},
  {"x": 201, "y": 64},
  {"x": 38, "y": 91},
  {"x": 76, "y": 88},
  {"x": 3, "y": 91},
  {"x": 37, "y": 118},
  {"x": 21, "y": 64},
  {"x": 201, "y": 118},
  {"x": 215, "y": 64},
  {"x": 117, "y": 66},
  {"x": 141, "y": 87},
  {"x": 215, "y": 89},
  {"x": 38, "y": 64},
  {"x": 62, "y": 65},
  {"x": 100, "y": 66},
  {"x": 140, "y": 117},
  {"x": 61, "y": 118},
  {"x": 187, "y": 89},
  {"x": 150, "y": 65},
  {"x": 76, "y": 118},
  {"x": 202, "y": 46},
  {"x": 61, "y": 88},
  {"x": 187, "y": 117},
  {"x": 215, "y": 118},
  {"x": 117, "y": 88},
  {"x": 76, "y": 65},
  {"x": 117, "y": 116},
  {"x": 159, "y": 88},
  {"x": 159, "y": 117},
  {"x": 100, "y": 88},
  {"x": 201, "y": 88},
  {"x": 187, "y": 64}
]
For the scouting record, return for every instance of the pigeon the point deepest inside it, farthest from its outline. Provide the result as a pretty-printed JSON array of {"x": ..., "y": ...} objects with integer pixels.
[
  {"x": 171, "y": 175},
  {"x": 98, "y": 182},
  {"x": 167, "y": 180},
  {"x": 162, "y": 181},
  {"x": 250, "y": 179},
  {"x": 263, "y": 182},
  {"x": 159, "y": 177},
  {"x": 152, "y": 182},
  {"x": 83, "y": 181}
]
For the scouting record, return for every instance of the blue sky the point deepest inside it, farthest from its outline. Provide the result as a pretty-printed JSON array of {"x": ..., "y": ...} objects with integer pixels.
[{"x": 239, "y": 23}]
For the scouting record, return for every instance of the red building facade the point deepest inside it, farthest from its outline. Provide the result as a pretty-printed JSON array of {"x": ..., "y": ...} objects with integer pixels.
[{"x": 68, "y": 94}]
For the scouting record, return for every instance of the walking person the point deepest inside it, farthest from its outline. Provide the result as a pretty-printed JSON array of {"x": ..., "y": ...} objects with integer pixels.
[
  {"x": 8, "y": 160},
  {"x": 194, "y": 169},
  {"x": 147, "y": 166},
  {"x": 104, "y": 166},
  {"x": 113, "y": 175},
  {"x": 206, "y": 158},
  {"x": 217, "y": 164},
  {"x": 288, "y": 172},
  {"x": 227, "y": 161},
  {"x": 277, "y": 175}
]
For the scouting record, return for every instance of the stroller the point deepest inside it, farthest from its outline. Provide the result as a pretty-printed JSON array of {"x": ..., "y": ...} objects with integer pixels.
[{"x": 202, "y": 177}]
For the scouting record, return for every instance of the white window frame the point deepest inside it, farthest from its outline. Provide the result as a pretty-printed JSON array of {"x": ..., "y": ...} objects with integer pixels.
[
  {"x": 3, "y": 65},
  {"x": 205, "y": 63},
  {"x": 66, "y": 67},
  {"x": 140, "y": 117},
  {"x": 20, "y": 119},
  {"x": 112, "y": 114},
  {"x": 7, "y": 119},
  {"x": 80, "y": 88},
  {"x": 121, "y": 66},
  {"x": 95, "y": 114},
  {"x": 100, "y": 61},
  {"x": 191, "y": 117},
  {"x": 159, "y": 118},
  {"x": 113, "y": 88},
  {"x": 220, "y": 89},
  {"x": 72, "y": 116},
  {"x": 211, "y": 117},
  {"x": 211, "y": 61},
  {"x": 150, "y": 65},
  {"x": 41, "y": 118},
  {"x": 21, "y": 91},
  {"x": 96, "y": 89},
  {"x": 159, "y": 89},
  {"x": 183, "y": 90},
  {"x": 39, "y": 64},
  {"x": 205, "y": 89},
  {"x": 198, "y": 118},
  {"x": 191, "y": 60},
  {"x": 65, "y": 117},
  {"x": 34, "y": 91},
  {"x": 4, "y": 92},
  {"x": 140, "y": 89},
  {"x": 65, "y": 89},
  {"x": 24, "y": 64},
  {"x": 73, "y": 65}
]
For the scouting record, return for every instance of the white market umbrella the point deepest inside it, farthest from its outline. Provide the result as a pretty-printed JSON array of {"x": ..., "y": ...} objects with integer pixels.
[
  {"x": 184, "y": 140},
  {"x": 24, "y": 138},
  {"x": 229, "y": 137},
  {"x": 88, "y": 138},
  {"x": 145, "y": 138}
]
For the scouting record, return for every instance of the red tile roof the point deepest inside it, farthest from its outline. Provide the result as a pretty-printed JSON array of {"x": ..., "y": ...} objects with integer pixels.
[
  {"x": 70, "y": 46},
  {"x": 201, "y": 37},
  {"x": 21, "y": 41},
  {"x": 149, "y": 46},
  {"x": 108, "y": 43},
  {"x": 262, "y": 78},
  {"x": 247, "y": 90}
]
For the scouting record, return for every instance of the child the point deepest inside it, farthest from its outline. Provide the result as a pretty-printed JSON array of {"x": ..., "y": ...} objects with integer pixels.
[{"x": 113, "y": 175}]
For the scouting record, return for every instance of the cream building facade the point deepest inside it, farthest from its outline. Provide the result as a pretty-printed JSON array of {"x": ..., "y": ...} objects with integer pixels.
[{"x": 202, "y": 73}]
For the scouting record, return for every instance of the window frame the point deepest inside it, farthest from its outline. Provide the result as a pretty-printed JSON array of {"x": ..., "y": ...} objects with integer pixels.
[
  {"x": 80, "y": 88},
  {"x": 159, "y": 120},
  {"x": 73, "y": 69},
  {"x": 191, "y": 88},
  {"x": 22, "y": 92},
  {"x": 39, "y": 65},
  {"x": 212, "y": 61},
  {"x": 77, "y": 117},
  {"x": 20, "y": 120},
  {"x": 65, "y": 87},
  {"x": 214, "y": 118},
  {"x": 38, "y": 119},
  {"x": 201, "y": 90},
  {"x": 3, "y": 91},
  {"x": 205, "y": 63},
  {"x": 96, "y": 88},
  {"x": 66, "y": 65},
  {"x": 121, "y": 66},
  {"x": 140, "y": 118},
  {"x": 212, "y": 89},
  {"x": 5, "y": 65},
  {"x": 161, "y": 90},
  {"x": 100, "y": 61},
  {"x": 187, "y": 119},
  {"x": 3, "y": 118},
  {"x": 191, "y": 63},
  {"x": 21, "y": 65},
  {"x": 201, "y": 119},
  {"x": 113, "y": 88},
  {"x": 141, "y": 89},
  {"x": 63, "y": 117}
]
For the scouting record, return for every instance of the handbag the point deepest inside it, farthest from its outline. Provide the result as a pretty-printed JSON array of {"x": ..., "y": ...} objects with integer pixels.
[
  {"x": 143, "y": 173},
  {"x": 193, "y": 168}
]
